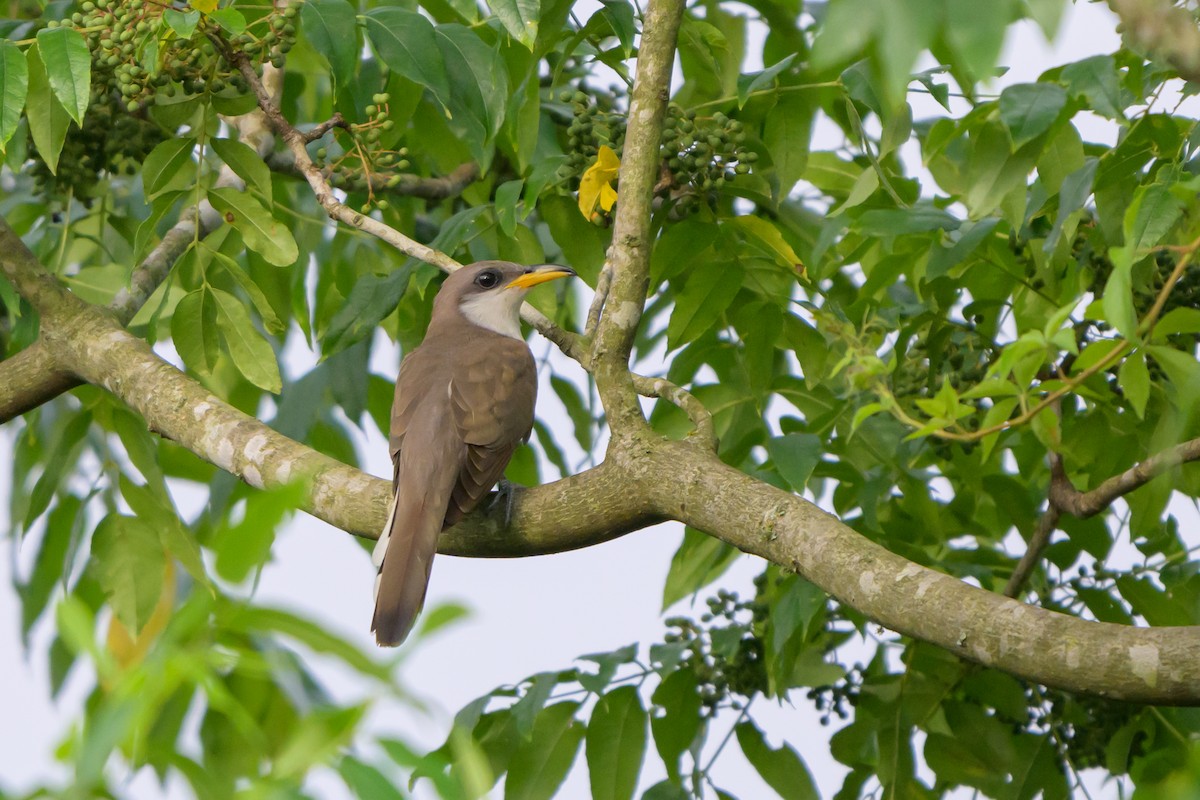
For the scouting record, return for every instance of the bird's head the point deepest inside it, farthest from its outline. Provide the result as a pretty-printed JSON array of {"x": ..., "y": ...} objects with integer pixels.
[{"x": 489, "y": 293}]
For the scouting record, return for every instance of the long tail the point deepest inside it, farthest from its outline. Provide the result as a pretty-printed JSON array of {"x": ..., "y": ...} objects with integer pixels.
[{"x": 404, "y": 556}]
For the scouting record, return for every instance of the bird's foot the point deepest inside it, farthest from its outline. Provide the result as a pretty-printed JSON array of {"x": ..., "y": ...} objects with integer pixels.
[{"x": 506, "y": 496}]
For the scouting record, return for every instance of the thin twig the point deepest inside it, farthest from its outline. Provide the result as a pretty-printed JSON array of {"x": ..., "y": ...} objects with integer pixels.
[
  {"x": 598, "y": 299},
  {"x": 700, "y": 416},
  {"x": 336, "y": 121},
  {"x": 1079, "y": 504}
]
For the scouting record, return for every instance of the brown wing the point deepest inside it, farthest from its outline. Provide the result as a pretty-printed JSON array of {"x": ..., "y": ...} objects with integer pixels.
[
  {"x": 492, "y": 396},
  {"x": 419, "y": 375}
]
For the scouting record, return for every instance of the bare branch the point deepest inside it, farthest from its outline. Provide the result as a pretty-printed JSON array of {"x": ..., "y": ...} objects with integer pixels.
[
  {"x": 685, "y": 400},
  {"x": 336, "y": 121},
  {"x": 1046, "y": 525},
  {"x": 1065, "y": 496}
]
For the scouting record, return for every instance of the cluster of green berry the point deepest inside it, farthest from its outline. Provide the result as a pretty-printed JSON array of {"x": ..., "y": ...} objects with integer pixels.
[
  {"x": 110, "y": 141},
  {"x": 953, "y": 352},
  {"x": 591, "y": 128},
  {"x": 702, "y": 154},
  {"x": 275, "y": 42},
  {"x": 366, "y": 159},
  {"x": 723, "y": 651}
]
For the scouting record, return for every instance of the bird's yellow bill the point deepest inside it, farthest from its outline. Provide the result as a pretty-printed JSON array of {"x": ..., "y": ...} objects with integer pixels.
[{"x": 539, "y": 276}]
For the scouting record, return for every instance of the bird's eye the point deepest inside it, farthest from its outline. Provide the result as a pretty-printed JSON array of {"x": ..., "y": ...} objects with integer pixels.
[{"x": 487, "y": 279}]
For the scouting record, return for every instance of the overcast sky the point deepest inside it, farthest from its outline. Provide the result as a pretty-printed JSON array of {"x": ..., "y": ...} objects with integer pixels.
[{"x": 529, "y": 615}]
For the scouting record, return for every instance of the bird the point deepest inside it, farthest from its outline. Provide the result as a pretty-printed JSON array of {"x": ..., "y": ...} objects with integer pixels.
[{"x": 464, "y": 402}]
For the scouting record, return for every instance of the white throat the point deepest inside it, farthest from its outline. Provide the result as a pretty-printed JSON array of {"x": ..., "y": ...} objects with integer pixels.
[{"x": 497, "y": 311}]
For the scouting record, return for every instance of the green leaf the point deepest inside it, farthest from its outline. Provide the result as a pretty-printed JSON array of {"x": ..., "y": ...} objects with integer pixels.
[
  {"x": 616, "y": 744},
  {"x": 1117, "y": 301},
  {"x": 366, "y": 781},
  {"x": 679, "y": 248},
  {"x": 577, "y": 409},
  {"x": 507, "y": 196},
  {"x": 405, "y": 41},
  {"x": 844, "y": 33},
  {"x": 184, "y": 24},
  {"x": 131, "y": 563},
  {"x": 371, "y": 299},
  {"x": 541, "y": 764},
  {"x": 169, "y": 167},
  {"x": 441, "y": 616},
  {"x": 519, "y": 18},
  {"x": 679, "y": 697},
  {"x": 895, "y": 221},
  {"x": 230, "y": 19},
  {"x": 270, "y": 319},
  {"x": 246, "y": 546},
  {"x": 63, "y": 452},
  {"x": 245, "y": 162},
  {"x": 194, "y": 331},
  {"x": 316, "y": 737},
  {"x": 1029, "y": 109},
  {"x": 795, "y": 456},
  {"x": 782, "y": 769},
  {"x": 699, "y": 561},
  {"x": 14, "y": 85},
  {"x": 533, "y": 699},
  {"x": 607, "y": 664},
  {"x": 620, "y": 17},
  {"x": 63, "y": 527},
  {"x": 1097, "y": 80},
  {"x": 975, "y": 33},
  {"x": 666, "y": 790},
  {"x": 261, "y": 232},
  {"x": 787, "y": 134},
  {"x": 1150, "y": 217},
  {"x": 1134, "y": 378},
  {"x": 1156, "y": 606},
  {"x": 251, "y": 353},
  {"x": 331, "y": 27},
  {"x": 703, "y": 299},
  {"x": 48, "y": 120},
  {"x": 68, "y": 64},
  {"x": 767, "y": 236},
  {"x": 749, "y": 84},
  {"x": 255, "y": 618},
  {"x": 478, "y": 87}
]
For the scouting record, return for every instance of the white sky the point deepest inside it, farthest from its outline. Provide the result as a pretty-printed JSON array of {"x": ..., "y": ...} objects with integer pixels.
[{"x": 530, "y": 615}]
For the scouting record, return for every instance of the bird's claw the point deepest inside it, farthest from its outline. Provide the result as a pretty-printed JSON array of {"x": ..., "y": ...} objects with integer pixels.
[{"x": 506, "y": 493}]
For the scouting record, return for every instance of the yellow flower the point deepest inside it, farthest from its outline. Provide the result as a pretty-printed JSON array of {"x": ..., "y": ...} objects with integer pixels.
[{"x": 595, "y": 187}]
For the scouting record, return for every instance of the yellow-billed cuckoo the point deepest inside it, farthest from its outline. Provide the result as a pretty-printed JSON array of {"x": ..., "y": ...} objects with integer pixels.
[{"x": 464, "y": 403}]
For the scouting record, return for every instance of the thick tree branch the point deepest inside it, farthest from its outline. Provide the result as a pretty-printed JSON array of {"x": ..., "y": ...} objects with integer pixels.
[
  {"x": 628, "y": 261},
  {"x": 644, "y": 479},
  {"x": 1148, "y": 665},
  {"x": 1164, "y": 29}
]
